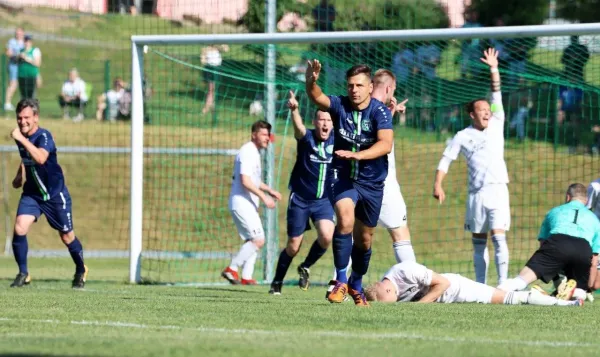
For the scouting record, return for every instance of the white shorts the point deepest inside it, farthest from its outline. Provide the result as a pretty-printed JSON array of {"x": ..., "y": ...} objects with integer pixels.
[
  {"x": 393, "y": 208},
  {"x": 466, "y": 290},
  {"x": 247, "y": 221},
  {"x": 487, "y": 209}
]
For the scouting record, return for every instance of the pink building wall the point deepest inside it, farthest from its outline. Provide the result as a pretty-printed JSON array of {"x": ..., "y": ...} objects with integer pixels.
[
  {"x": 210, "y": 11},
  {"x": 91, "y": 6}
]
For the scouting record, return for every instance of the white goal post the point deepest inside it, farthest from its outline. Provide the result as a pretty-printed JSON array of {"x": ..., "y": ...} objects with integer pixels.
[{"x": 138, "y": 46}]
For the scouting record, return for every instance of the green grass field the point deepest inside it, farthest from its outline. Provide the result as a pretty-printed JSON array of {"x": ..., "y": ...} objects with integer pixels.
[{"x": 110, "y": 318}]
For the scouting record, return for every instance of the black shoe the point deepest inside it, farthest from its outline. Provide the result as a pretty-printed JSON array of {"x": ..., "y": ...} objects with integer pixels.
[
  {"x": 303, "y": 280},
  {"x": 21, "y": 280},
  {"x": 275, "y": 288},
  {"x": 79, "y": 279}
]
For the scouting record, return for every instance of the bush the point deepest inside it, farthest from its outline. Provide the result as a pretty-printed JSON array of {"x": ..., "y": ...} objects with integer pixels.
[{"x": 530, "y": 12}]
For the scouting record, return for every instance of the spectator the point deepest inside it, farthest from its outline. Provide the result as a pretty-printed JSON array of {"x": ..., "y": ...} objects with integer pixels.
[
  {"x": 574, "y": 58},
  {"x": 570, "y": 101},
  {"x": 517, "y": 61},
  {"x": 404, "y": 63},
  {"x": 30, "y": 60},
  {"x": 324, "y": 15},
  {"x": 13, "y": 49},
  {"x": 73, "y": 95},
  {"x": 428, "y": 58},
  {"x": 211, "y": 59},
  {"x": 117, "y": 100},
  {"x": 519, "y": 119},
  {"x": 500, "y": 44},
  {"x": 470, "y": 51}
]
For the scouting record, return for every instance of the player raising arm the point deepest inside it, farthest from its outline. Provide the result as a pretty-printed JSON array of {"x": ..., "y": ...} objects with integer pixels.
[
  {"x": 482, "y": 145},
  {"x": 413, "y": 282},
  {"x": 308, "y": 198},
  {"x": 362, "y": 139},
  {"x": 44, "y": 191},
  {"x": 247, "y": 189},
  {"x": 570, "y": 243}
]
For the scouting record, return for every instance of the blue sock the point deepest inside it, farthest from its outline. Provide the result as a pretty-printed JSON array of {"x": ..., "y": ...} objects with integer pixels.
[
  {"x": 76, "y": 251},
  {"x": 342, "y": 248},
  {"x": 315, "y": 252},
  {"x": 20, "y": 248},
  {"x": 282, "y": 266},
  {"x": 360, "y": 265}
]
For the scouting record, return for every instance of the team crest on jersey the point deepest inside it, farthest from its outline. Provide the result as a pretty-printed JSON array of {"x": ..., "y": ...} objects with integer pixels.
[
  {"x": 365, "y": 125},
  {"x": 329, "y": 149}
]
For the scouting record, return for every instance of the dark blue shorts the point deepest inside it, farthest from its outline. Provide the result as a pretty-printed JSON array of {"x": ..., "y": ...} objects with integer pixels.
[
  {"x": 57, "y": 210},
  {"x": 367, "y": 200},
  {"x": 300, "y": 211}
]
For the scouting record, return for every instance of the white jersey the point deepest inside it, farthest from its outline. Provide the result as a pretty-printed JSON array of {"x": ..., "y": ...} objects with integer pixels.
[
  {"x": 247, "y": 162},
  {"x": 483, "y": 150},
  {"x": 593, "y": 195},
  {"x": 391, "y": 179},
  {"x": 413, "y": 280}
]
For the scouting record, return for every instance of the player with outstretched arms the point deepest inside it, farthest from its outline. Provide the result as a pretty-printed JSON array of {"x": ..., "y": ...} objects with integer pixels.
[
  {"x": 413, "y": 282},
  {"x": 44, "y": 192},
  {"x": 482, "y": 145},
  {"x": 362, "y": 139},
  {"x": 247, "y": 190},
  {"x": 593, "y": 197},
  {"x": 308, "y": 195},
  {"x": 569, "y": 244}
]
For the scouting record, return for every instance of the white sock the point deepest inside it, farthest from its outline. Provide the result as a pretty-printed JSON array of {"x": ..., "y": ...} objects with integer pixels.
[
  {"x": 515, "y": 284},
  {"x": 403, "y": 251},
  {"x": 248, "y": 268},
  {"x": 502, "y": 256},
  {"x": 516, "y": 297},
  {"x": 481, "y": 259},
  {"x": 537, "y": 298},
  {"x": 245, "y": 252}
]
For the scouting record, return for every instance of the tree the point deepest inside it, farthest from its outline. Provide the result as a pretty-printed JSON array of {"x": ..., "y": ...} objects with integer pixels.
[
  {"x": 578, "y": 10},
  {"x": 530, "y": 12}
]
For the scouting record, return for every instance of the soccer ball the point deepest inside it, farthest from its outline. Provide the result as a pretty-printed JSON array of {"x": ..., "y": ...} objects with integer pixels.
[{"x": 256, "y": 108}]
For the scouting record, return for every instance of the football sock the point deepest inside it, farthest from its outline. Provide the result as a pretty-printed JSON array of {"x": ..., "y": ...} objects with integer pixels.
[
  {"x": 502, "y": 256},
  {"x": 283, "y": 265},
  {"x": 342, "y": 249},
  {"x": 245, "y": 252},
  {"x": 20, "y": 248},
  {"x": 76, "y": 251},
  {"x": 514, "y": 284},
  {"x": 360, "y": 265},
  {"x": 314, "y": 254},
  {"x": 541, "y": 299},
  {"x": 403, "y": 251},
  {"x": 481, "y": 259},
  {"x": 248, "y": 268}
]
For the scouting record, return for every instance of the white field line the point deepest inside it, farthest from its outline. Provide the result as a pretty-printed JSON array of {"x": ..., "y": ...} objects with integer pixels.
[{"x": 337, "y": 334}]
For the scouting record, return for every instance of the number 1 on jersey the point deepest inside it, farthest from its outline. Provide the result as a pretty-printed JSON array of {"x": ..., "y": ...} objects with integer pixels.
[{"x": 576, "y": 214}]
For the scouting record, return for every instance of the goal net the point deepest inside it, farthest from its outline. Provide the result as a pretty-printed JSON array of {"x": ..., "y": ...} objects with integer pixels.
[{"x": 200, "y": 110}]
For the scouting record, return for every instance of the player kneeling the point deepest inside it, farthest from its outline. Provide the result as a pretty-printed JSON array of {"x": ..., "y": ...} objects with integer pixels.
[{"x": 411, "y": 281}]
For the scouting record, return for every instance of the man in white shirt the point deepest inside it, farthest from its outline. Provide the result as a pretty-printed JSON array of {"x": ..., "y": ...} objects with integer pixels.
[
  {"x": 413, "y": 282},
  {"x": 73, "y": 94},
  {"x": 247, "y": 189},
  {"x": 482, "y": 145},
  {"x": 593, "y": 197}
]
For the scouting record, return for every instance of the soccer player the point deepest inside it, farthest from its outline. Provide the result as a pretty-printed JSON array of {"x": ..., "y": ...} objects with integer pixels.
[
  {"x": 44, "y": 191},
  {"x": 247, "y": 189},
  {"x": 482, "y": 145},
  {"x": 413, "y": 282},
  {"x": 593, "y": 197},
  {"x": 308, "y": 197},
  {"x": 362, "y": 139},
  {"x": 570, "y": 243}
]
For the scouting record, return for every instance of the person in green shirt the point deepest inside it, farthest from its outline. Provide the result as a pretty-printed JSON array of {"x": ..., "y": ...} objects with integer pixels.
[
  {"x": 30, "y": 60},
  {"x": 569, "y": 243}
]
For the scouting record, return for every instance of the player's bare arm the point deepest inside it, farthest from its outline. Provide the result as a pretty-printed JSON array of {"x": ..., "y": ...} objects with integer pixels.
[
  {"x": 438, "y": 286},
  {"x": 19, "y": 177},
  {"x": 383, "y": 146},
  {"x": 299, "y": 128},
  {"x": 490, "y": 57},
  {"x": 593, "y": 272},
  {"x": 37, "y": 154},
  {"x": 396, "y": 107},
  {"x": 264, "y": 187},
  {"x": 438, "y": 190},
  {"x": 313, "y": 90},
  {"x": 249, "y": 185}
]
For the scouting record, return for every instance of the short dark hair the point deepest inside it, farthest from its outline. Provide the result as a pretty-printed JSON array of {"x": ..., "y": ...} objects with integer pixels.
[
  {"x": 471, "y": 104},
  {"x": 577, "y": 190},
  {"x": 261, "y": 124},
  {"x": 319, "y": 110},
  {"x": 28, "y": 103},
  {"x": 358, "y": 69}
]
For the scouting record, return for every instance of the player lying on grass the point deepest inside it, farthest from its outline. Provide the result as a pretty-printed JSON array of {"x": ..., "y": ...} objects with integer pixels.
[
  {"x": 44, "y": 192},
  {"x": 413, "y": 282},
  {"x": 570, "y": 242},
  {"x": 308, "y": 195}
]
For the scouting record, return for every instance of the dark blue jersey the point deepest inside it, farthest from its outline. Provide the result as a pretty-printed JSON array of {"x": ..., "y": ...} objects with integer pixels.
[
  {"x": 42, "y": 181},
  {"x": 357, "y": 131},
  {"x": 313, "y": 158}
]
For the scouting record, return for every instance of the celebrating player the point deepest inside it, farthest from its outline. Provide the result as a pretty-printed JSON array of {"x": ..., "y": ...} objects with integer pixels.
[
  {"x": 593, "y": 197},
  {"x": 308, "y": 199},
  {"x": 570, "y": 243},
  {"x": 413, "y": 282},
  {"x": 247, "y": 189},
  {"x": 482, "y": 144},
  {"x": 44, "y": 191},
  {"x": 362, "y": 139}
]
